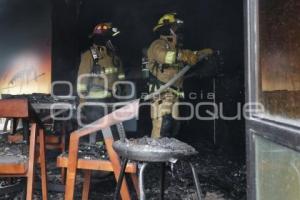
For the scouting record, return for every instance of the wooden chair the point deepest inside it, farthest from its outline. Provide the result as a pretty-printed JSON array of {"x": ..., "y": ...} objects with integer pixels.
[
  {"x": 72, "y": 162},
  {"x": 53, "y": 141},
  {"x": 12, "y": 166},
  {"x": 58, "y": 142}
]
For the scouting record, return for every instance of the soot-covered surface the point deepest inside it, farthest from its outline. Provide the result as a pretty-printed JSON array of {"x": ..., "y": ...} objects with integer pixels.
[
  {"x": 221, "y": 179},
  {"x": 163, "y": 144},
  {"x": 153, "y": 150},
  {"x": 13, "y": 153}
]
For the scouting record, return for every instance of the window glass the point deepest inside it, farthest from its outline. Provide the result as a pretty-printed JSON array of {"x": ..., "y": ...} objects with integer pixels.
[
  {"x": 277, "y": 171},
  {"x": 279, "y": 57}
]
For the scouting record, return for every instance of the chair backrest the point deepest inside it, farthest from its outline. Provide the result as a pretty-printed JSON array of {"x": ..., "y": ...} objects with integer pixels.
[
  {"x": 107, "y": 133},
  {"x": 13, "y": 125},
  {"x": 121, "y": 131}
]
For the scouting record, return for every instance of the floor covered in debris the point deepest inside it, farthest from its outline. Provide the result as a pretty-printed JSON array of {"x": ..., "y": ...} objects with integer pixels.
[{"x": 222, "y": 178}]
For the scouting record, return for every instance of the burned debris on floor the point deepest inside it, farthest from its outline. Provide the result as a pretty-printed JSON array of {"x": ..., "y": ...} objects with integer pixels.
[
  {"x": 11, "y": 188},
  {"x": 220, "y": 172},
  {"x": 221, "y": 178}
]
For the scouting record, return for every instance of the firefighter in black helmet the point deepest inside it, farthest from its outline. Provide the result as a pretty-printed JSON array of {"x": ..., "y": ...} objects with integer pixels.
[{"x": 99, "y": 68}]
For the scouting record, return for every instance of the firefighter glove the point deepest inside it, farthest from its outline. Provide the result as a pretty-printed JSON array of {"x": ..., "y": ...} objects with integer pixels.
[{"x": 188, "y": 56}]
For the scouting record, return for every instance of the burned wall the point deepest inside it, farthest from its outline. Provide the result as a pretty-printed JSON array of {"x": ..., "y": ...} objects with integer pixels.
[{"x": 25, "y": 53}]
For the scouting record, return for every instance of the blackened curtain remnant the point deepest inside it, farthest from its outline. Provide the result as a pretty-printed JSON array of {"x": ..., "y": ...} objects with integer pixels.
[{"x": 217, "y": 24}]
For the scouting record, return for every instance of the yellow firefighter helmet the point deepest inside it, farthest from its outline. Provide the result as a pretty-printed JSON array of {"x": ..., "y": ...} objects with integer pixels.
[{"x": 166, "y": 20}]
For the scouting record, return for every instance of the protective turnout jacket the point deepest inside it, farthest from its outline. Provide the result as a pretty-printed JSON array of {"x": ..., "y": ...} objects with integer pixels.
[
  {"x": 163, "y": 65},
  {"x": 99, "y": 69}
]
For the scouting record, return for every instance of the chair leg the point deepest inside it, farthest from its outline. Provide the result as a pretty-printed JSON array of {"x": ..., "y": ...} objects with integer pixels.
[
  {"x": 162, "y": 180},
  {"x": 30, "y": 184},
  {"x": 86, "y": 184},
  {"x": 135, "y": 181},
  {"x": 63, "y": 175},
  {"x": 63, "y": 149},
  {"x": 141, "y": 181},
  {"x": 114, "y": 158},
  {"x": 43, "y": 164},
  {"x": 72, "y": 168},
  {"x": 31, "y": 163},
  {"x": 196, "y": 180},
  {"x": 70, "y": 184},
  {"x": 120, "y": 179}
]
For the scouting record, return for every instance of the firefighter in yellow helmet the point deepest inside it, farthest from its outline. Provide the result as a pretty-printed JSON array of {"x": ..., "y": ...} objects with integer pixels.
[
  {"x": 165, "y": 59},
  {"x": 99, "y": 68}
]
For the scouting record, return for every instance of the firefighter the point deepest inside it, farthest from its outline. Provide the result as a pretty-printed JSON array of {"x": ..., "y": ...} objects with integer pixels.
[
  {"x": 99, "y": 68},
  {"x": 165, "y": 58}
]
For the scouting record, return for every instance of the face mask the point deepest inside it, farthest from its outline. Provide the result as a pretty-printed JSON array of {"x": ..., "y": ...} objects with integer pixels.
[
  {"x": 100, "y": 40},
  {"x": 180, "y": 39}
]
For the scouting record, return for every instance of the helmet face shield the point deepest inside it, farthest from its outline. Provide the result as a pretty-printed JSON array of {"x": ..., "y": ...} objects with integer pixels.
[{"x": 177, "y": 27}]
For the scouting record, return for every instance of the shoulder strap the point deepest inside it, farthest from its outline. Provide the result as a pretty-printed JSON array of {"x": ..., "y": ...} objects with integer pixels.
[
  {"x": 94, "y": 54},
  {"x": 96, "y": 68},
  {"x": 158, "y": 83}
]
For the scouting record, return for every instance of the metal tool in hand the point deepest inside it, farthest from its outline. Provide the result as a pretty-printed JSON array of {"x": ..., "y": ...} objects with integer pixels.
[{"x": 172, "y": 81}]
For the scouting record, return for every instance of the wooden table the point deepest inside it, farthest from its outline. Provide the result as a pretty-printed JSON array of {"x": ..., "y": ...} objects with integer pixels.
[{"x": 32, "y": 128}]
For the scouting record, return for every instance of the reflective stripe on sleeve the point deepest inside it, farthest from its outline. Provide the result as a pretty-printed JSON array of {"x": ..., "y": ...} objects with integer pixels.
[
  {"x": 81, "y": 87},
  {"x": 99, "y": 94},
  {"x": 121, "y": 76},
  {"x": 170, "y": 57},
  {"x": 110, "y": 70}
]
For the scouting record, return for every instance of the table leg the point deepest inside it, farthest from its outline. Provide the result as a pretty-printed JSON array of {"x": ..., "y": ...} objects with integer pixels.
[{"x": 43, "y": 164}]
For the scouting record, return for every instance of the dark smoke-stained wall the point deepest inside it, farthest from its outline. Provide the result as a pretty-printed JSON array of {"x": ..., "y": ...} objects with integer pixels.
[{"x": 217, "y": 24}]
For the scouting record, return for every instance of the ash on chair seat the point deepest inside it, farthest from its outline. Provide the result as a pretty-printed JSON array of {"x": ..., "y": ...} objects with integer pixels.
[
  {"x": 13, "y": 158},
  {"x": 147, "y": 150},
  {"x": 153, "y": 150},
  {"x": 13, "y": 153},
  {"x": 90, "y": 152}
]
